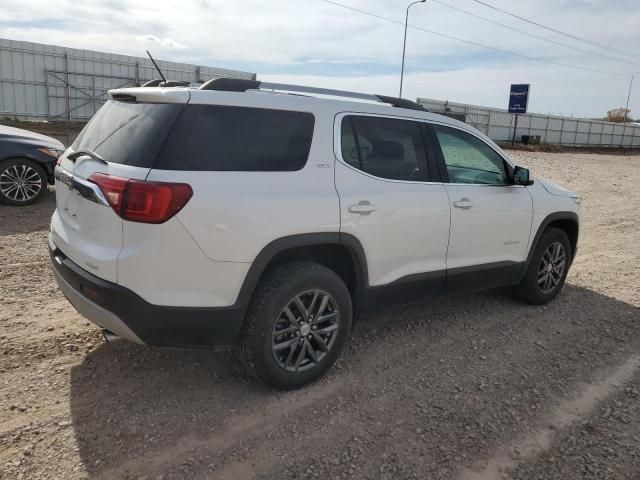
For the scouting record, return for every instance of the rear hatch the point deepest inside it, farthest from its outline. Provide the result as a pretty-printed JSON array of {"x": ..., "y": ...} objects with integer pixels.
[{"x": 123, "y": 139}]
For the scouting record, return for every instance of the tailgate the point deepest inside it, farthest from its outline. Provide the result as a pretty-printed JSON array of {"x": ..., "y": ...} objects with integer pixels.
[
  {"x": 123, "y": 139},
  {"x": 84, "y": 226}
]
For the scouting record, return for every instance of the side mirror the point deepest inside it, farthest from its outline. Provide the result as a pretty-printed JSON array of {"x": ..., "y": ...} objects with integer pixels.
[{"x": 521, "y": 177}]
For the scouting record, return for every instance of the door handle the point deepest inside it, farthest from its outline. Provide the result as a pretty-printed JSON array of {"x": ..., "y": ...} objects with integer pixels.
[
  {"x": 463, "y": 203},
  {"x": 363, "y": 207}
]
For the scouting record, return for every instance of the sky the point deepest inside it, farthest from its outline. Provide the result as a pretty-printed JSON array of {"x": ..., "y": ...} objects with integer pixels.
[{"x": 318, "y": 43}]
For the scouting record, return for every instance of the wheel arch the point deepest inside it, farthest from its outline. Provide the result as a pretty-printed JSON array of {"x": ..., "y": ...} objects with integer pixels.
[
  {"x": 566, "y": 221},
  {"x": 340, "y": 252},
  {"x": 46, "y": 166}
]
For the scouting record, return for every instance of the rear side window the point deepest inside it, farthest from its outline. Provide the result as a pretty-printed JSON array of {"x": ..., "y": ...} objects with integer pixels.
[
  {"x": 129, "y": 133},
  {"x": 384, "y": 147},
  {"x": 222, "y": 138}
]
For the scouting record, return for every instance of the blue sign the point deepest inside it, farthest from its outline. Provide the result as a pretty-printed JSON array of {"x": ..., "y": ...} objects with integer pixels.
[{"x": 519, "y": 98}]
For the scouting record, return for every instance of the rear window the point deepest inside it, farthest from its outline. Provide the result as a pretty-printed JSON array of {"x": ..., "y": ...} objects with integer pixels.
[
  {"x": 223, "y": 138},
  {"x": 129, "y": 133}
]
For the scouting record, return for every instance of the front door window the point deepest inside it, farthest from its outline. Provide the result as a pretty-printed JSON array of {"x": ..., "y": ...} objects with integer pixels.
[{"x": 468, "y": 159}]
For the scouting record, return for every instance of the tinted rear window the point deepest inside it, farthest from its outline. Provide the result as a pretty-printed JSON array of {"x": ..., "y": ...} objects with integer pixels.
[
  {"x": 127, "y": 132},
  {"x": 222, "y": 138}
]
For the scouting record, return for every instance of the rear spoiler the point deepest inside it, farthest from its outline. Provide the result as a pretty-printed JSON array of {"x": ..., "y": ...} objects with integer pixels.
[{"x": 151, "y": 95}]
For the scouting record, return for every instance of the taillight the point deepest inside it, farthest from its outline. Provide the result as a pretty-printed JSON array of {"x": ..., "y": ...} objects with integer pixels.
[
  {"x": 142, "y": 201},
  {"x": 113, "y": 189}
]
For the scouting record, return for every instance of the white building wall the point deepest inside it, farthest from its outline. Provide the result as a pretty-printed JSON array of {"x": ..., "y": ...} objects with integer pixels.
[{"x": 40, "y": 82}]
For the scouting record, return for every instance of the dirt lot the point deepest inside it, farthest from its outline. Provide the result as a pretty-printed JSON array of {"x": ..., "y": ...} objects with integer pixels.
[{"x": 475, "y": 386}]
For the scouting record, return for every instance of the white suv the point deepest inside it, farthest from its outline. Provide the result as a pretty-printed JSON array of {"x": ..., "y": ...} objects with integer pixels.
[{"x": 269, "y": 216}]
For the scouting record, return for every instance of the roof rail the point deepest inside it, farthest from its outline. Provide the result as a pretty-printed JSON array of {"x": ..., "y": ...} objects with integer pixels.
[
  {"x": 401, "y": 102},
  {"x": 242, "y": 85},
  {"x": 318, "y": 91},
  {"x": 230, "y": 84},
  {"x": 169, "y": 83}
]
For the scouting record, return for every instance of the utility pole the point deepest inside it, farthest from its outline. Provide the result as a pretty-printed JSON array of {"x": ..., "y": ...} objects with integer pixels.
[
  {"x": 629, "y": 97},
  {"x": 404, "y": 44}
]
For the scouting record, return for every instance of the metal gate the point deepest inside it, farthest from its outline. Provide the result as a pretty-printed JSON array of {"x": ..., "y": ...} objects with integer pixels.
[{"x": 82, "y": 97}]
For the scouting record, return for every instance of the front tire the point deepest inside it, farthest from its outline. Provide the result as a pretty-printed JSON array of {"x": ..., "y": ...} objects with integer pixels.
[
  {"x": 297, "y": 326},
  {"x": 22, "y": 182},
  {"x": 548, "y": 269}
]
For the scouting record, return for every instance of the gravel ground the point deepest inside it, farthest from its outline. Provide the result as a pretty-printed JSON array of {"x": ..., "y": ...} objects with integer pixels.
[{"x": 472, "y": 387}]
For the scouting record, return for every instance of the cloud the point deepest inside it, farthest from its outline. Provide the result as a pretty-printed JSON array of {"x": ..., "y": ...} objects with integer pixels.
[
  {"x": 170, "y": 43},
  {"x": 148, "y": 38},
  {"x": 486, "y": 86},
  {"x": 166, "y": 42},
  {"x": 314, "y": 40}
]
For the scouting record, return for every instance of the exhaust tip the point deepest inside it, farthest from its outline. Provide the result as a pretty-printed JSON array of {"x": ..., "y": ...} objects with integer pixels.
[{"x": 110, "y": 337}]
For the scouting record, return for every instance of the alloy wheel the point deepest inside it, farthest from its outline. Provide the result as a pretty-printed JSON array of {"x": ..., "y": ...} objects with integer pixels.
[
  {"x": 551, "y": 268},
  {"x": 20, "y": 183},
  {"x": 305, "y": 331}
]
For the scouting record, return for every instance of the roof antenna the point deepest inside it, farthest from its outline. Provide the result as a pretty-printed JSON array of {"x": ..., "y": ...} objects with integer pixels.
[{"x": 157, "y": 67}]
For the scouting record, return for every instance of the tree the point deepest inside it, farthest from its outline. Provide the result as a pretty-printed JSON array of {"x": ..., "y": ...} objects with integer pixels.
[{"x": 618, "y": 115}]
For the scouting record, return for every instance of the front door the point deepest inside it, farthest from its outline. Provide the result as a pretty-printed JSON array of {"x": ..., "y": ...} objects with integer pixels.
[{"x": 490, "y": 218}]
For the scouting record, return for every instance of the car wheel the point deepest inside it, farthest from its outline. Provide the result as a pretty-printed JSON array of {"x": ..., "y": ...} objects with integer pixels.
[
  {"x": 548, "y": 269},
  {"x": 22, "y": 181},
  {"x": 298, "y": 323}
]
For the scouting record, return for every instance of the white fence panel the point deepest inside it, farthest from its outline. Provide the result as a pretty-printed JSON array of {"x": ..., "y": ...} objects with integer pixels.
[
  {"x": 39, "y": 82},
  {"x": 498, "y": 125}
]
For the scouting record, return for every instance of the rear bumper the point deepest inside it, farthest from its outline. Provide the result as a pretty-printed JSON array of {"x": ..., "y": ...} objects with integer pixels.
[{"x": 127, "y": 315}]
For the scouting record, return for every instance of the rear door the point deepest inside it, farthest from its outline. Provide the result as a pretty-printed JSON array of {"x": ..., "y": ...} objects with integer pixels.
[
  {"x": 389, "y": 201},
  {"x": 127, "y": 135},
  {"x": 253, "y": 171}
]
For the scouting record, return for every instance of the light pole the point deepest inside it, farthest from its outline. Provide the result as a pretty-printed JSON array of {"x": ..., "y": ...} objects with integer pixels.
[
  {"x": 629, "y": 96},
  {"x": 404, "y": 44}
]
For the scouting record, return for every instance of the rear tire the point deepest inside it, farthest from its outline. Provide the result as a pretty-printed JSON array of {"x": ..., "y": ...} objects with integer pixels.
[
  {"x": 22, "y": 182},
  {"x": 548, "y": 269},
  {"x": 297, "y": 325}
]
